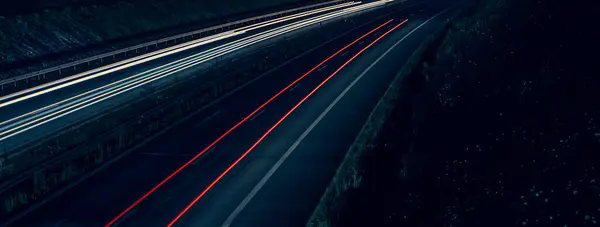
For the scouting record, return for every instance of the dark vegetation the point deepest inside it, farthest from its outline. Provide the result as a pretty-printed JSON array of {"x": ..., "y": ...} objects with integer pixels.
[
  {"x": 83, "y": 147},
  {"x": 498, "y": 125},
  {"x": 48, "y": 165},
  {"x": 61, "y": 31}
]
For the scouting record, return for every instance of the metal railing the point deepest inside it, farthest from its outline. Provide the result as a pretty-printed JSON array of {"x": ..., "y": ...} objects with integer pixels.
[{"x": 185, "y": 37}]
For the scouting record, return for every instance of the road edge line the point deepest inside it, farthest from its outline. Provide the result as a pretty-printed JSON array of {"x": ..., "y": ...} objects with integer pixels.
[
  {"x": 105, "y": 165},
  {"x": 313, "y": 219},
  {"x": 291, "y": 149}
]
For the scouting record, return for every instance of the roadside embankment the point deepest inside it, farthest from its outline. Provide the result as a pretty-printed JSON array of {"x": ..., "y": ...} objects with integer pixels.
[
  {"x": 350, "y": 173},
  {"x": 46, "y": 167},
  {"x": 68, "y": 32},
  {"x": 496, "y": 124}
]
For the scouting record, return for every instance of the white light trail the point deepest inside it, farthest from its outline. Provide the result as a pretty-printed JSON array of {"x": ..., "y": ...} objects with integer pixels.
[
  {"x": 46, "y": 114},
  {"x": 94, "y": 73}
]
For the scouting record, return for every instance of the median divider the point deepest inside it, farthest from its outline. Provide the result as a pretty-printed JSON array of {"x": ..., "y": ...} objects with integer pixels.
[
  {"x": 49, "y": 167},
  {"x": 16, "y": 81}
]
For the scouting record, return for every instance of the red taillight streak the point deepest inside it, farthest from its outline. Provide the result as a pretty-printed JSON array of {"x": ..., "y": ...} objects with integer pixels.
[
  {"x": 275, "y": 126},
  {"x": 134, "y": 204}
]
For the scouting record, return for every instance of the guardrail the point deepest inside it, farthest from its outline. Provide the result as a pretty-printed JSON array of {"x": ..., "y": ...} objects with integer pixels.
[{"x": 98, "y": 60}]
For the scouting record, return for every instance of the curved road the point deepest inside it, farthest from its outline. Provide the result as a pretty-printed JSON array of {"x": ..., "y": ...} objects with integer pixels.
[
  {"x": 281, "y": 179},
  {"x": 35, "y": 113}
]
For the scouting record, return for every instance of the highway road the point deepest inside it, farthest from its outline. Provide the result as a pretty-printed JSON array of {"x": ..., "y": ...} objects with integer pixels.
[
  {"x": 269, "y": 170},
  {"x": 35, "y": 113}
]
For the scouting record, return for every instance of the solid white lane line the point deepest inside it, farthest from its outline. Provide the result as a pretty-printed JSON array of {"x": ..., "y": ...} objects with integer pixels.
[
  {"x": 224, "y": 49},
  {"x": 170, "y": 127},
  {"x": 149, "y": 78},
  {"x": 170, "y": 50},
  {"x": 264, "y": 180}
]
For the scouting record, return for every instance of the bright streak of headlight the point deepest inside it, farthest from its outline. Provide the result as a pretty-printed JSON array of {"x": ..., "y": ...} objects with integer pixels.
[
  {"x": 14, "y": 97},
  {"x": 41, "y": 116}
]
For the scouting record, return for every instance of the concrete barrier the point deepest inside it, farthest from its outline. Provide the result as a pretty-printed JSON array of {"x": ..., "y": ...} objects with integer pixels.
[{"x": 99, "y": 60}]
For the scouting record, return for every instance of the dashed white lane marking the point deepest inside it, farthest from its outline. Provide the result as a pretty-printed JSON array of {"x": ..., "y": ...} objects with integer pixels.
[
  {"x": 264, "y": 180},
  {"x": 294, "y": 87},
  {"x": 258, "y": 114},
  {"x": 213, "y": 115},
  {"x": 322, "y": 67},
  {"x": 205, "y": 154}
]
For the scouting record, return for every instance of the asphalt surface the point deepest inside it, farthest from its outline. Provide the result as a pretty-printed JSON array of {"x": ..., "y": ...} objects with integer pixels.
[
  {"x": 46, "y": 129},
  {"x": 289, "y": 196}
]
